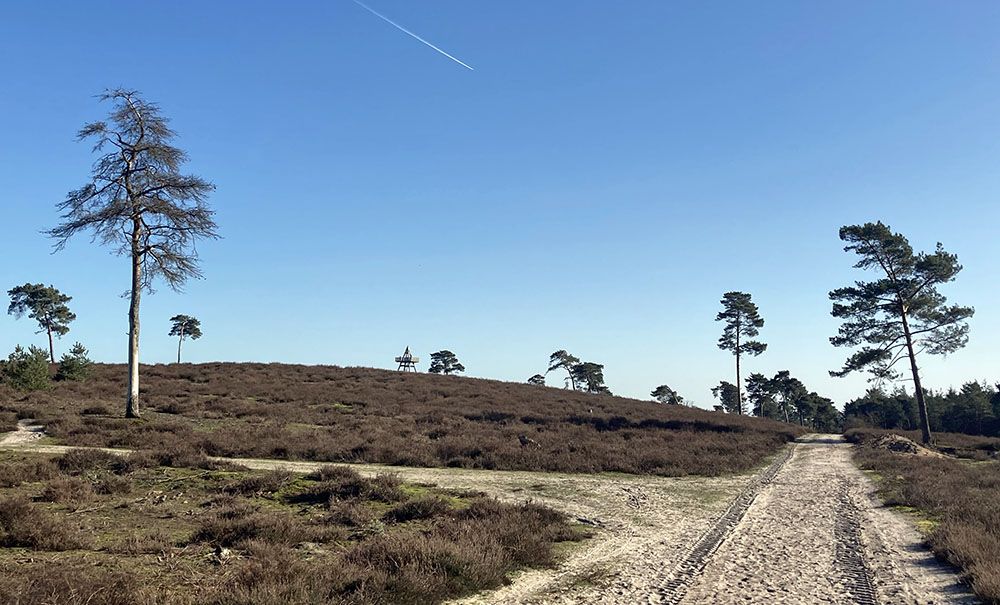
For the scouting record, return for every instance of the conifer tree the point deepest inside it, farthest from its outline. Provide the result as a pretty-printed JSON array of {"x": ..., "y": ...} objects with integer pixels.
[
  {"x": 184, "y": 326},
  {"x": 899, "y": 314},
  {"x": 139, "y": 202},
  {"x": 445, "y": 362},
  {"x": 665, "y": 394},
  {"x": 561, "y": 360},
  {"x": 742, "y": 323},
  {"x": 47, "y": 306}
]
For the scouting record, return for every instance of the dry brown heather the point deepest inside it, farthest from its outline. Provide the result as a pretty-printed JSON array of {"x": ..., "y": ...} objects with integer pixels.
[
  {"x": 366, "y": 415},
  {"x": 94, "y": 528},
  {"x": 959, "y": 497}
]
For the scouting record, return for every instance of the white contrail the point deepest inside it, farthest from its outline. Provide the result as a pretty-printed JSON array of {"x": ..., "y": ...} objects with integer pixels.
[{"x": 406, "y": 31}]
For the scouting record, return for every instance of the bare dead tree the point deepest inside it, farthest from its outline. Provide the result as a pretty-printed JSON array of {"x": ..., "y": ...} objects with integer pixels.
[{"x": 139, "y": 203}]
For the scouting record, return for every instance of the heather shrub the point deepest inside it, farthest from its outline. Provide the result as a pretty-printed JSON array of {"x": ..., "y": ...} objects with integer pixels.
[
  {"x": 109, "y": 484},
  {"x": 80, "y": 460},
  {"x": 259, "y": 485},
  {"x": 62, "y": 583},
  {"x": 419, "y": 508},
  {"x": 22, "y": 524},
  {"x": 349, "y": 513},
  {"x": 67, "y": 490},
  {"x": 348, "y": 485},
  {"x": 13, "y": 474},
  {"x": 241, "y": 522}
]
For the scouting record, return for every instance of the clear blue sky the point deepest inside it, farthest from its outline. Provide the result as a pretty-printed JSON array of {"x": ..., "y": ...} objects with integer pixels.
[{"x": 607, "y": 171}]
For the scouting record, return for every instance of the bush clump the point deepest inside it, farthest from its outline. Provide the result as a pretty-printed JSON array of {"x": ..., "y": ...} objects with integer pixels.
[
  {"x": 13, "y": 474},
  {"x": 424, "y": 507},
  {"x": 259, "y": 485},
  {"x": 24, "y": 525},
  {"x": 67, "y": 490},
  {"x": 239, "y": 522},
  {"x": 75, "y": 365},
  {"x": 341, "y": 483},
  {"x": 27, "y": 370}
]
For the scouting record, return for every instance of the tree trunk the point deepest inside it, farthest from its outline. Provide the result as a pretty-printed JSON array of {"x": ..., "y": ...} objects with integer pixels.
[
  {"x": 132, "y": 403},
  {"x": 739, "y": 385},
  {"x": 925, "y": 425},
  {"x": 180, "y": 339},
  {"x": 52, "y": 350}
]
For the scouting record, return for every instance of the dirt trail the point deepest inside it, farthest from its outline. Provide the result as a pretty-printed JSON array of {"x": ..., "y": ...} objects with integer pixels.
[
  {"x": 807, "y": 529},
  {"x": 818, "y": 534},
  {"x": 27, "y": 432}
]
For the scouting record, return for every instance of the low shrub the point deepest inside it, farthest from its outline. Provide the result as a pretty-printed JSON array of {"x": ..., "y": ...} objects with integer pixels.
[
  {"x": 346, "y": 484},
  {"x": 242, "y": 522},
  {"x": 179, "y": 454},
  {"x": 62, "y": 583},
  {"x": 13, "y": 474},
  {"x": 67, "y": 490},
  {"x": 349, "y": 513},
  {"x": 424, "y": 507},
  {"x": 109, "y": 484},
  {"x": 259, "y": 485},
  {"x": 77, "y": 461},
  {"x": 24, "y": 525}
]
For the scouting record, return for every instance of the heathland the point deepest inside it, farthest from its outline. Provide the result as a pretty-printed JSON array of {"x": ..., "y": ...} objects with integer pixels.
[
  {"x": 98, "y": 528},
  {"x": 169, "y": 524},
  {"x": 333, "y": 414}
]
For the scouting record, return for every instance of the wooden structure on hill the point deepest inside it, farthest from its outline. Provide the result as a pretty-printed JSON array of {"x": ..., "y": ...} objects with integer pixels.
[{"x": 407, "y": 362}]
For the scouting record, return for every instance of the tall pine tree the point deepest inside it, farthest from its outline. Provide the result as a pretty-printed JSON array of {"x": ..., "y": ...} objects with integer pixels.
[
  {"x": 742, "y": 323},
  {"x": 900, "y": 313}
]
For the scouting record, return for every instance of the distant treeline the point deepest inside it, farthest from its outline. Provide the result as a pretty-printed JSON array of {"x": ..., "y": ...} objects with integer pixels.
[{"x": 974, "y": 409}]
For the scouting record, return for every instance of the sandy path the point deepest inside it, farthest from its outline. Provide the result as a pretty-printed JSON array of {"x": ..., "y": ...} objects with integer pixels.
[
  {"x": 817, "y": 534},
  {"x": 26, "y": 433},
  {"x": 806, "y": 530}
]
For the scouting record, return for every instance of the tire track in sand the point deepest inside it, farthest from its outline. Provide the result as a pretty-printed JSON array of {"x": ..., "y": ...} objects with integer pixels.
[
  {"x": 850, "y": 562},
  {"x": 672, "y": 591}
]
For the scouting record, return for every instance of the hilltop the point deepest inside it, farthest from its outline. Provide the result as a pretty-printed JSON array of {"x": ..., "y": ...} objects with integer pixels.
[{"x": 335, "y": 414}]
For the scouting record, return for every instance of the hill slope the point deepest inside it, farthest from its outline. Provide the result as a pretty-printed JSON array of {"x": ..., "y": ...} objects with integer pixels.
[{"x": 338, "y": 414}]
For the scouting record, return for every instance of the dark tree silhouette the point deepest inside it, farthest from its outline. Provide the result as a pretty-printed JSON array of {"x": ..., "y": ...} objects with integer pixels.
[
  {"x": 47, "y": 306},
  {"x": 743, "y": 321},
  {"x": 667, "y": 395},
  {"x": 561, "y": 360},
  {"x": 445, "y": 362},
  {"x": 761, "y": 395},
  {"x": 184, "y": 326},
  {"x": 537, "y": 379},
  {"x": 728, "y": 396},
  {"x": 138, "y": 202},
  {"x": 589, "y": 376},
  {"x": 901, "y": 313}
]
